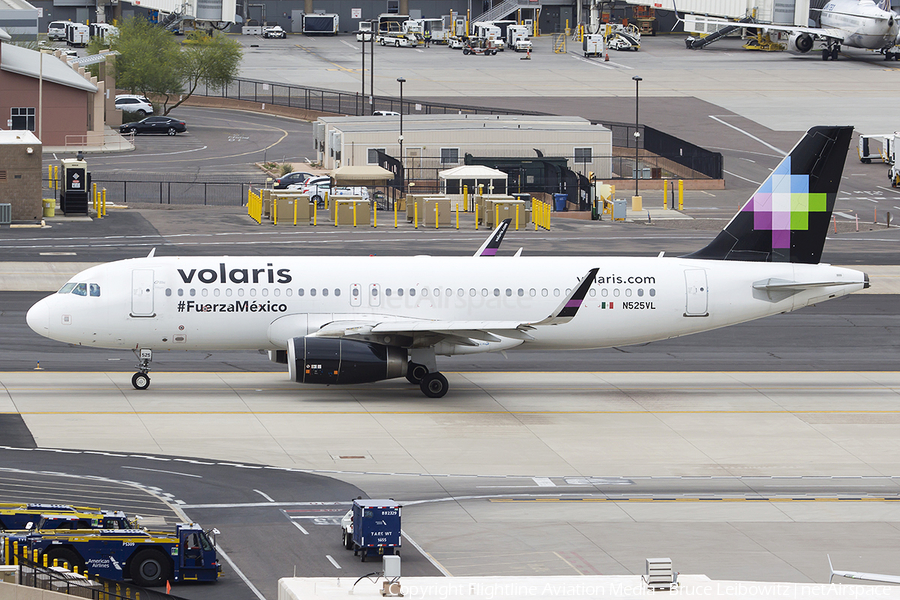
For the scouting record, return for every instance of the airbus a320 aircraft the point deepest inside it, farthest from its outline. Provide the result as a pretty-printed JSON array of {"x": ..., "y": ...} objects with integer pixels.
[
  {"x": 853, "y": 23},
  {"x": 342, "y": 320}
]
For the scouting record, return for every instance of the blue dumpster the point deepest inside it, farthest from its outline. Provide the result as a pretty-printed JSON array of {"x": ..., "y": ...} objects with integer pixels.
[{"x": 559, "y": 201}]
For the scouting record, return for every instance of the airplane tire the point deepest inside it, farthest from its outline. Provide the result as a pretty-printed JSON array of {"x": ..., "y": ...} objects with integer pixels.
[
  {"x": 140, "y": 381},
  {"x": 834, "y": 53},
  {"x": 150, "y": 568},
  {"x": 415, "y": 373},
  {"x": 434, "y": 385},
  {"x": 826, "y": 53}
]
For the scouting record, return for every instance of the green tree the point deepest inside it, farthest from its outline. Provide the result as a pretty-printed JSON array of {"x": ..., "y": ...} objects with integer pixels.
[
  {"x": 213, "y": 60},
  {"x": 150, "y": 60}
]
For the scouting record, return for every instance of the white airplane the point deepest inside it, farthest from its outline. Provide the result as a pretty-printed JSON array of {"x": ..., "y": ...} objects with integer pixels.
[
  {"x": 341, "y": 320},
  {"x": 862, "y": 576},
  {"x": 854, "y": 23}
]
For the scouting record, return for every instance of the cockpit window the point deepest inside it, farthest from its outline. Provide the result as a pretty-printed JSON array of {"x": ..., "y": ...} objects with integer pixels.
[
  {"x": 67, "y": 288},
  {"x": 80, "y": 289},
  {"x": 95, "y": 289}
]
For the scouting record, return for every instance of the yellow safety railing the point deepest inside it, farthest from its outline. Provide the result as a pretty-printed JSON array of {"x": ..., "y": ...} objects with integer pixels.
[
  {"x": 254, "y": 206},
  {"x": 559, "y": 43},
  {"x": 540, "y": 214}
]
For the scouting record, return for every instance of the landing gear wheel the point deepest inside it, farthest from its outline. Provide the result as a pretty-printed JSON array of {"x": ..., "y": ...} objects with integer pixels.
[
  {"x": 826, "y": 53},
  {"x": 140, "y": 381},
  {"x": 834, "y": 53},
  {"x": 415, "y": 373},
  {"x": 434, "y": 385},
  {"x": 150, "y": 568}
]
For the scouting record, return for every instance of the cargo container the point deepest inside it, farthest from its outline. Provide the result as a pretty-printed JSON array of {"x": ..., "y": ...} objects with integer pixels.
[
  {"x": 321, "y": 23},
  {"x": 375, "y": 528}
]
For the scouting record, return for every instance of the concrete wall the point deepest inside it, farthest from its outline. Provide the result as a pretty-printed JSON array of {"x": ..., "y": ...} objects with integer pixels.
[{"x": 20, "y": 174}]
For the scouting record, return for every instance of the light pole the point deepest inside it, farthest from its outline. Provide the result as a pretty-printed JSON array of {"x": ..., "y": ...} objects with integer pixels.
[
  {"x": 362, "y": 76},
  {"x": 637, "y": 134},
  {"x": 401, "y": 80}
]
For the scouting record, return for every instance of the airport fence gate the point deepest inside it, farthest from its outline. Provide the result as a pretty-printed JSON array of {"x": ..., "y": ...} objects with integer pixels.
[{"x": 198, "y": 193}]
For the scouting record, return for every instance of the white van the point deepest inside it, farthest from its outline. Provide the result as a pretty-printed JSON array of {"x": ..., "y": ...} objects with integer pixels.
[{"x": 56, "y": 30}]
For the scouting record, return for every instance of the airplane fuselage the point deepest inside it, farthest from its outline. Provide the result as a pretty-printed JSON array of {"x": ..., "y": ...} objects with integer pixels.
[
  {"x": 863, "y": 23},
  {"x": 218, "y": 303}
]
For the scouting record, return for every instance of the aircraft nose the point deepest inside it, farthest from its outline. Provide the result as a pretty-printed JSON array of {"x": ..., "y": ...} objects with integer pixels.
[{"x": 38, "y": 318}]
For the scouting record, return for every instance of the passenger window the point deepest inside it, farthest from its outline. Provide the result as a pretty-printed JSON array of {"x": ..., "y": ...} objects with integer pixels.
[
  {"x": 472, "y": 292},
  {"x": 640, "y": 292},
  {"x": 496, "y": 291},
  {"x": 484, "y": 292},
  {"x": 300, "y": 292},
  {"x": 288, "y": 292},
  {"x": 424, "y": 292},
  {"x": 80, "y": 289},
  {"x": 399, "y": 291},
  {"x": 265, "y": 291},
  {"x": 532, "y": 292},
  {"x": 253, "y": 292},
  {"x": 387, "y": 291},
  {"x": 276, "y": 292},
  {"x": 204, "y": 292},
  {"x": 337, "y": 291},
  {"x": 544, "y": 292},
  {"x": 521, "y": 292},
  {"x": 628, "y": 292},
  {"x": 240, "y": 292},
  {"x": 448, "y": 292},
  {"x": 354, "y": 292},
  {"x": 228, "y": 292},
  {"x": 616, "y": 292},
  {"x": 437, "y": 292},
  {"x": 193, "y": 292},
  {"x": 593, "y": 292},
  {"x": 312, "y": 291},
  {"x": 67, "y": 288},
  {"x": 374, "y": 291},
  {"x": 556, "y": 292},
  {"x": 604, "y": 292},
  {"x": 652, "y": 292},
  {"x": 324, "y": 291},
  {"x": 412, "y": 291},
  {"x": 460, "y": 292},
  {"x": 180, "y": 292},
  {"x": 95, "y": 290},
  {"x": 508, "y": 292},
  {"x": 217, "y": 292}
]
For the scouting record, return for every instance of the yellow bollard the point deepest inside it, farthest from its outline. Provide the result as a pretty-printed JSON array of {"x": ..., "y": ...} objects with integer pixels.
[
  {"x": 274, "y": 210},
  {"x": 416, "y": 214},
  {"x": 315, "y": 210},
  {"x": 74, "y": 569},
  {"x": 45, "y": 560},
  {"x": 681, "y": 194},
  {"x": 50, "y": 176},
  {"x": 476, "y": 217},
  {"x": 15, "y": 553},
  {"x": 375, "y": 214},
  {"x": 517, "y": 217},
  {"x": 35, "y": 555},
  {"x": 295, "y": 201},
  {"x": 466, "y": 196},
  {"x": 56, "y": 177},
  {"x": 354, "y": 214},
  {"x": 437, "y": 215},
  {"x": 665, "y": 193},
  {"x": 395, "y": 214},
  {"x": 95, "y": 198},
  {"x": 457, "y": 215},
  {"x": 326, "y": 199},
  {"x": 534, "y": 213}
]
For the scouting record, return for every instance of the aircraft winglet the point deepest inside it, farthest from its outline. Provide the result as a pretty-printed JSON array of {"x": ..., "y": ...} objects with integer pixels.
[
  {"x": 566, "y": 311},
  {"x": 490, "y": 245}
]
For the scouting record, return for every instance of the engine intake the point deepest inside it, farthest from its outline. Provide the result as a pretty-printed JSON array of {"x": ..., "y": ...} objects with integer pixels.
[
  {"x": 800, "y": 43},
  {"x": 339, "y": 361}
]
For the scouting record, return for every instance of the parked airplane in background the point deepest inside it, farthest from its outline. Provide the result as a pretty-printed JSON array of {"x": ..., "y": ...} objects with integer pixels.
[
  {"x": 862, "y": 576},
  {"x": 337, "y": 320},
  {"x": 853, "y": 23}
]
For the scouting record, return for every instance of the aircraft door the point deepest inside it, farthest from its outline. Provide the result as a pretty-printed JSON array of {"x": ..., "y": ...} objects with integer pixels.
[
  {"x": 696, "y": 304},
  {"x": 142, "y": 293},
  {"x": 355, "y": 294},
  {"x": 374, "y": 294}
]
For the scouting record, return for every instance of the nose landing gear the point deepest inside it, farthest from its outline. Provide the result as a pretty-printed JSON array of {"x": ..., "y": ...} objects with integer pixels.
[{"x": 141, "y": 380}]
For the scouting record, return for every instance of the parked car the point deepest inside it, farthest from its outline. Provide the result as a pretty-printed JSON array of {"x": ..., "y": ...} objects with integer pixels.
[
  {"x": 166, "y": 125},
  {"x": 56, "y": 30},
  {"x": 274, "y": 32},
  {"x": 291, "y": 178},
  {"x": 385, "y": 113},
  {"x": 316, "y": 187},
  {"x": 132, "y": 103}
]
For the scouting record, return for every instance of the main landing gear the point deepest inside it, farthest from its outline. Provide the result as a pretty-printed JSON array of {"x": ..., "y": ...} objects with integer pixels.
[
  {"x": 432, "y": 383},
  {"x": 141, "y": 380},
  {"x": 831, "y": 51}
]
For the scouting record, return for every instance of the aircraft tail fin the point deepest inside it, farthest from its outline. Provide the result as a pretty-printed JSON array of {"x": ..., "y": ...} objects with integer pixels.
[
  {"x": 786, "y": 219},
  {"x": 490, "y": 245}
]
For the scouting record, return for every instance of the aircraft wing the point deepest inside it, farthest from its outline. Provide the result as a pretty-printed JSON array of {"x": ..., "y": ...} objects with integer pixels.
[
  {"x": 862, "y": 576},
  {"x": 418, "y": 332}
]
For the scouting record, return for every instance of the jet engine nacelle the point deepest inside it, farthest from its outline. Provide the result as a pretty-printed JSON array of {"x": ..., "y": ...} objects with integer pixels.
[
  {"x": 800, "y": 43},
  {"x": 338, "y": 361}
]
